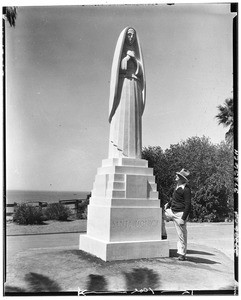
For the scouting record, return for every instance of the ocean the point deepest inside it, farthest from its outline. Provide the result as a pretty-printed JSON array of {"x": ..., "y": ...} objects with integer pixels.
[{"x": 20, "y": 196}]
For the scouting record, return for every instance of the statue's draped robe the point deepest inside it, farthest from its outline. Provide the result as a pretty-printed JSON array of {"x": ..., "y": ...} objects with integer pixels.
[{"x": 127, "y": 101}]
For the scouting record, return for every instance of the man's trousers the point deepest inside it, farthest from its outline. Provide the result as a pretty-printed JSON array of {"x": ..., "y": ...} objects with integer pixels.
[{"x": 169, "y": 215}]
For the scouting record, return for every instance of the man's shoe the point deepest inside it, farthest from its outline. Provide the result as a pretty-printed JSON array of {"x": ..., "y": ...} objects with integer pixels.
[
  {"x": 164, "y": 237},
  {"x": 181, "y": 257}
]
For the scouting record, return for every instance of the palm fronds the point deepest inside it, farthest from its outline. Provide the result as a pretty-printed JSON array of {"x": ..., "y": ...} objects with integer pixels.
[
  {"x": 225, "y": 117},
  {"x": 10, "y": 13}
]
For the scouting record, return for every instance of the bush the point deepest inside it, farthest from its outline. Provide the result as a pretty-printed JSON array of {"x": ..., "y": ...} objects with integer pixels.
[
  {"x": 57, "y": 211},
  {"x": 210, "y": 201},
  {"x": 211, "y": 180},
  {"x": 82, "y": 209},
  {"x": 27, "y": 214}
]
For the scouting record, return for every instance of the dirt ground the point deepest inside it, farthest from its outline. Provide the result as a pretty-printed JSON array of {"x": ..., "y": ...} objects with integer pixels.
[
  {"x": 55, "y": 264},
  {"x": 56, "y": 270}
]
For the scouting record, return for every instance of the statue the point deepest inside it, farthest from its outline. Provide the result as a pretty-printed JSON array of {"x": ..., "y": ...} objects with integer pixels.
[
  {"x": 124, "y": 214},
  {"x": 127, "y": 97}
]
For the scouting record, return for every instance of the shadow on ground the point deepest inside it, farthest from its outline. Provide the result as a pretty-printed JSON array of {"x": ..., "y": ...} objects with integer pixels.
[
  {"x": 172, "y": 254},
  {"x": 136, "y": 279},
  {"x": 197, "y": 259},
  {"x": 200, "y": 260},
  {"x": 82, "y": 255},
  {"x": 96, "y": 283},
  {"x": 36, "y": 283},
  {"x": 87, "y": 257},
  {"x": 199, "y": 252},
  {"x": 133, "y": 278},
  {"x": 40, "y": 283},
  {"x": 14, "y": 289},
  {"x": 140, "y": 278}
]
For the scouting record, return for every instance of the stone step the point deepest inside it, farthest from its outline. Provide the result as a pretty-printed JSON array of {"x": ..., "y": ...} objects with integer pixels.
[
  {"x": 117, "y": 177},
  {"x": 125, "y": 170},
  {"x": 111, "y": 177},
  {"x": 116, "y": 185},
  {"x": 134, "y": 162},
  {"x": 115, "y": 193},
  {"x": 125, "y": 162},
  {"x": 118, "y": 202},
  {"x": 115, "y": 190},
  {"x": 153, "y": 187},
  {"x": 153, "y": 194},
  {"x": 123, "y": 250},
  {"x": 151, "y": 179},
  {"x": 119, "y": 180},
  {"x": 105, "y": 181}
]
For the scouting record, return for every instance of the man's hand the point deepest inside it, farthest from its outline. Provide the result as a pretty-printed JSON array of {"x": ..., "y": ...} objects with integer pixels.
[
  {"x": 165, "y": 206},
  {"x": 180, "y": 221}
]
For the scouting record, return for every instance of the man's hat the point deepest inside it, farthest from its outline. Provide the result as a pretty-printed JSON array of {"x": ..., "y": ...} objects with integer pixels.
[{"x": 184, "y": 173}]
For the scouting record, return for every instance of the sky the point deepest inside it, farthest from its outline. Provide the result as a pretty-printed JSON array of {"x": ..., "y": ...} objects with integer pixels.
[{"x": 58, "y": 64}]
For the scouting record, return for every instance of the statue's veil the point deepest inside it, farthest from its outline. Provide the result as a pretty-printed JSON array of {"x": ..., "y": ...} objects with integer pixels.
[{"x": 113, "y": 101}]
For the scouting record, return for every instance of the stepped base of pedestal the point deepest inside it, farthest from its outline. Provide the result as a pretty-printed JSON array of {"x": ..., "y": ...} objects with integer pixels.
[{"x": 111, "y": 251}]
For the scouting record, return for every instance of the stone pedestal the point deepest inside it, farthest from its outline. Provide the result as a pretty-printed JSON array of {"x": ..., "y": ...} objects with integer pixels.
[{"x": 124, "y": 214}]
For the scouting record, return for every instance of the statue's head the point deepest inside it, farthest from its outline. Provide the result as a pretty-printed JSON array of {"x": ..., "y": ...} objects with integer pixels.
[{"x": 130, "y": 36}]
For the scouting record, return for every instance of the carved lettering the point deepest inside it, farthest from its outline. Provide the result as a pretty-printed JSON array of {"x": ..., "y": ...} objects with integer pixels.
[{"x": 132, "y": 224}]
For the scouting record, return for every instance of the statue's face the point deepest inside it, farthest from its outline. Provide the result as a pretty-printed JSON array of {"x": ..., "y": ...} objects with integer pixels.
[{"x": 130, "y": 36}]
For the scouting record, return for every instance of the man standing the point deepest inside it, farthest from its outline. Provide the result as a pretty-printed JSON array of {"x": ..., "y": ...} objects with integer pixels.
[{"x": 178, "y": 209}]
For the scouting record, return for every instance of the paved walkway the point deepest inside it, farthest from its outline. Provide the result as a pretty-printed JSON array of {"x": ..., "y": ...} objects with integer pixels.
[
  {"x": 216, "y": 235},
  {"x": 53, "y": 263}
]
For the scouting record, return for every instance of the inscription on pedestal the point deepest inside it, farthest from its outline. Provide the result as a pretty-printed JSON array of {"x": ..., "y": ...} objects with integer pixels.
[{"x": 133, "y": 224}]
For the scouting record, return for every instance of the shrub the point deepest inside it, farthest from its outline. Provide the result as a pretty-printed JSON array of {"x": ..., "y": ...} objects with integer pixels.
[
  {"x": 27, "y": 214},
  {"x": 209, "y": 202},
  {"x": 82, "y": 209},
  {"x": 57, "y": 211},
  {"x": 211, "y": 180}
]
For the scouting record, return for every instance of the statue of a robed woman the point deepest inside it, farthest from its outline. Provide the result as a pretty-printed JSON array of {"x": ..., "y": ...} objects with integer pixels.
[{"x": 127, "y": 97}]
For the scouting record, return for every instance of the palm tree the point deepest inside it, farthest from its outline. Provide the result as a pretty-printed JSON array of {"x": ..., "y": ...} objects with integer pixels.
[
  {"x": 225, "y": 117},
  {"x": 10, "y": 12}
]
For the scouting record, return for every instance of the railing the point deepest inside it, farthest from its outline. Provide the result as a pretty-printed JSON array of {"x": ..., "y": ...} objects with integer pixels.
[
  {"x": 10, "y": 209},
  {"x": 74, "y": 203}
]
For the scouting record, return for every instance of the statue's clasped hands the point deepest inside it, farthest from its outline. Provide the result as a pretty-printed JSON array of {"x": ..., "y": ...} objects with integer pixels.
[{"x": 129, "y": 54}]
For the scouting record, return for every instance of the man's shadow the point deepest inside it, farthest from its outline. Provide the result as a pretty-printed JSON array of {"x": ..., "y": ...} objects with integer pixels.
[
  {"x": 195, "y": 259},
  {"x": 199, "y": 252}
]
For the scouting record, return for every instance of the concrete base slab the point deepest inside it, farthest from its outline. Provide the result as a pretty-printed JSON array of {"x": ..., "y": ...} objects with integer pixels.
[{"x": 110, "y": 251}]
